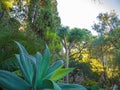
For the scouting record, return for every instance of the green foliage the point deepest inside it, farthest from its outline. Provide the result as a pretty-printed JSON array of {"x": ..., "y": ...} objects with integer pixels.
[
  {"x": 9, "y": 64},
  {"x": 5, "y": 5},
  {"x": 53, "y": 40},
  {"x": 113, "y": 38},
  {"x": 107, "y": 22},
  {"x": 8, "y": 48},
  {"x": 106, "y": 46},
  {"x": 44, "y": 21},
  {"x": 42, "y": 16},
  {"x": 77, "y": 34},
  {"x": 62, "y": 32},
  {"x": 86, "y": 69},
  {"x": 91, "y": 83},
  {"x": 93, "y": 88},
  {"x": 9, "y": 29},
  {"x": 71, "y": 87},
  {"x": 37, "y": 73}
]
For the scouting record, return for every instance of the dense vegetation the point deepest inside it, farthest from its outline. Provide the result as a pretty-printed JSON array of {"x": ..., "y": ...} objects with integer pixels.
[{"x": 35, "y": 24}]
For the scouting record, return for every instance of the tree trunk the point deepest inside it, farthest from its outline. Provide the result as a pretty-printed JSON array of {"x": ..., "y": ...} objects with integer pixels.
[{"x": 67, "y": 64}]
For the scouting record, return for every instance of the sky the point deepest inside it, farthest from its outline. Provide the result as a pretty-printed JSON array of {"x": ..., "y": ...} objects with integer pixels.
[{"x": 83, "y": 13}]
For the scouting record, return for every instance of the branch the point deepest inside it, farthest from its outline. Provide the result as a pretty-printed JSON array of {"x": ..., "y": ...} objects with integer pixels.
[
  {"x": 80, "y": 49},
  {"x": 63, "y": 43},
  {"x": 115, "y": 44},
  {"x": 2, "y": 14},
  {"x": 71, "y": 44}
]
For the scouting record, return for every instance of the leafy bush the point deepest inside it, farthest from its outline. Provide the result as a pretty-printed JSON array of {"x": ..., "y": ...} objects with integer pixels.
[
  {"x": 92, "y": 85},
  {"x": 8, "y": 48},
  {"x": 37, "y": 73}
]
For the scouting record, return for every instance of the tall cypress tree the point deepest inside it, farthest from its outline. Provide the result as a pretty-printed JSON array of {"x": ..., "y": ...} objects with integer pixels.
[
  {"x": 43, "y": 15},
  {"x": 44, "y": 20}
]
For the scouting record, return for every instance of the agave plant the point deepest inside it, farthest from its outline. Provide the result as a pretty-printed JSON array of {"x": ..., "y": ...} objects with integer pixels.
[{"x": 37, "y": 74}]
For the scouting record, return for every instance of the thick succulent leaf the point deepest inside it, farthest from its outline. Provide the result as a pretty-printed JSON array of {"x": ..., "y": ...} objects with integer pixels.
[
  {"x": 20, "y": 65},
  {"x": 35, "y": 71},
  {"x": 32, "y": 77},
  {"x": 71, "y": 87},
  {"x": 55, "y": 66},
  {"x": 38, "y": 57},
  {"x": 25, "y": 67},
  {"x": 10, "y": 81},
  {"x": 60, "y": 73},
  {"x": 58, "y": 64},
  {"x": 49, "y": 85},
  {"x": 25, "y": 63},
  {"x": 44, "y": 64},
  {"x": 31, "y": 59},
  {"x": 21, "y": 48}
]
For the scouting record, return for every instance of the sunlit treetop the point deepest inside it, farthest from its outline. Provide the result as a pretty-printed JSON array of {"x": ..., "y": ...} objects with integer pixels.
[{"x": 5, "y": 4}]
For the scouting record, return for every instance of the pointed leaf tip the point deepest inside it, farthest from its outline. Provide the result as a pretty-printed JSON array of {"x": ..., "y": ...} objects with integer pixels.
[{"x": 21, "y": 48}]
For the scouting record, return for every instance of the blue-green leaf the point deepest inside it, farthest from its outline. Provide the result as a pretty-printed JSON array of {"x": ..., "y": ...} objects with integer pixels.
[
  {"x": 38, "y": 57},
  {"x": 71, "y": 87},
  {"x": 49, "y": 85},
  {"x": 25, "y": 67},
  {"x": 35, "y": 70},
  {"x": 25, "y": 63},
  {"x": 20, "y": 65},
  {"x": 44, "y": 64},
  {"x": 53, "y": 68},
  {"x": 21, "y": 48},
  {"x": 10, "y": 81}
]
